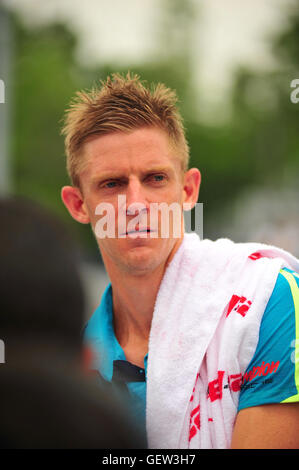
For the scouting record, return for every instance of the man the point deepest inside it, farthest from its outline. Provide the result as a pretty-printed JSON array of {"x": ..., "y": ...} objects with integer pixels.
[{"x": 126, "y": 150}]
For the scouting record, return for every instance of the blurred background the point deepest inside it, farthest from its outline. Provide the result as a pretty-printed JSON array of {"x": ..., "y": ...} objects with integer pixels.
[{"x": 231, "y": 63}]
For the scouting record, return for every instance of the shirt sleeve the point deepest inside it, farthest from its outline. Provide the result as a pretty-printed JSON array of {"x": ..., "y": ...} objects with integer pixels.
[{"x": 272, "y": 375}]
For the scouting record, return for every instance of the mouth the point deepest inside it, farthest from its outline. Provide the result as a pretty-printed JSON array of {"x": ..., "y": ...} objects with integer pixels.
[{"x": 144, "y": 230}]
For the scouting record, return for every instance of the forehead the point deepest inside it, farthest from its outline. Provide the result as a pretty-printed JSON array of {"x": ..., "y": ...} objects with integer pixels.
[{"x": 141, "y": 147}]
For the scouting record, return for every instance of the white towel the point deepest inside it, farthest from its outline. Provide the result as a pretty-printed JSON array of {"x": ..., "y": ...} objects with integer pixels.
[{"x": 204, "y": 332}]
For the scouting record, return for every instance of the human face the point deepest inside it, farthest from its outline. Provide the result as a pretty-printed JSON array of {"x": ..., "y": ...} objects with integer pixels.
[{"x": 145, "y": 168}]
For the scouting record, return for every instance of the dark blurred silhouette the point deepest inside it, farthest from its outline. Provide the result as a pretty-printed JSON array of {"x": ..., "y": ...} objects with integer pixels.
[
  {"x": 40, "y": 286},
  {"x": 47, "y": 400}
]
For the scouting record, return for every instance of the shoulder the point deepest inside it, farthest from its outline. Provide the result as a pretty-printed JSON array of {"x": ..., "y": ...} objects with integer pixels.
[
  {"x": 279, "y": 318},
  {"x": 272, "y": 374},
  {"x": 282, "y": 305},
  {"x": 100, "y": 321}
]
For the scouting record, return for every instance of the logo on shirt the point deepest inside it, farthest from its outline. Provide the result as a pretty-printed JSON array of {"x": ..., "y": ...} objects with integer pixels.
[
  {"x": 236, "y": 382},
  {"x": 264, "y": 369}
]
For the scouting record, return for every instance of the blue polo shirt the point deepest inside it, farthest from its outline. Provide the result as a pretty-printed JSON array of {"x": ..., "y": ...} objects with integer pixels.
[
  {"x": 271, "y": 377},
  {"x": 109, "y": 357}
]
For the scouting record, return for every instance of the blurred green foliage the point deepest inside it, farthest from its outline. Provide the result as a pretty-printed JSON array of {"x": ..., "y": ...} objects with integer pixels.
[{"x": 259, "y": 145}]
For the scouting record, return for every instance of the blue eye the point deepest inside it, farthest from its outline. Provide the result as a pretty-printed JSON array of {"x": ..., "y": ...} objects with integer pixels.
[
  {"x": 159, "y": 177},
  {"x": 111, "y": 184}
]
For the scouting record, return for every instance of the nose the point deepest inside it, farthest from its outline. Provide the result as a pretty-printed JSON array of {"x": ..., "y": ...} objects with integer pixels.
[{"x": 136, "y": 200}]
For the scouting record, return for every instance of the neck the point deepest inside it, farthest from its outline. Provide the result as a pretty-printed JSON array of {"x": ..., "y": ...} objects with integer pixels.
[
  {"x": 133, "y": 305},
  {"x": 134, "y": 299}
]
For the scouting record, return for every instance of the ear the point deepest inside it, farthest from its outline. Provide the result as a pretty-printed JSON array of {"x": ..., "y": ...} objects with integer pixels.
[
  {"x": 192, "y": 180},
  {"x": 74, "y": 202}
]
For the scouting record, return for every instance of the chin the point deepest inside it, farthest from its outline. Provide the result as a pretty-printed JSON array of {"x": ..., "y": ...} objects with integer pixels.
[{"x": 142, "y": 259}]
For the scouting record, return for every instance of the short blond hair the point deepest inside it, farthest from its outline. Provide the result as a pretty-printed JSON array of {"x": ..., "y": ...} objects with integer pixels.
[{"x": 121, "y": 104}]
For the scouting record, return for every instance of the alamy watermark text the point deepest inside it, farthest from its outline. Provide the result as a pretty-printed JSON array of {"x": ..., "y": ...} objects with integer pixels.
[
  {"x": 2, "y": 352},
  {"x": 153, "y": 220},
  {"x": 2, "y": 91}
]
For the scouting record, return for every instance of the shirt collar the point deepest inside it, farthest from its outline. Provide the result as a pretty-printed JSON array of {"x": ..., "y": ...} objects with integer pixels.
[{"x": 99, "y": 334}]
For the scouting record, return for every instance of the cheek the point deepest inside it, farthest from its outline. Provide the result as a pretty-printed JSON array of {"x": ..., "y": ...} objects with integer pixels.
[
  {"x": 97, "y": 208},
  {"x": 92, "y": 216},
  {"x": 171, "y": 193},
  {"x": 176, "y": 195}
]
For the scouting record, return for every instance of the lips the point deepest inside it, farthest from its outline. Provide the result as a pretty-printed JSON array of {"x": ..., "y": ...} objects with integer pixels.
[
  {"x": 140, "y": 230},
  {"x": 143, "y": 230}
]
